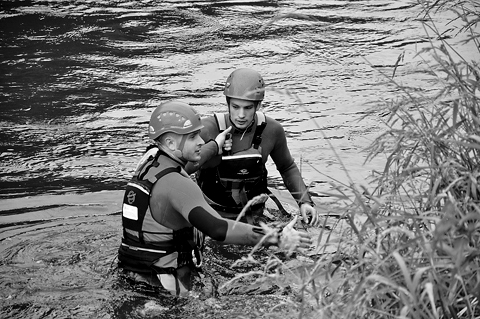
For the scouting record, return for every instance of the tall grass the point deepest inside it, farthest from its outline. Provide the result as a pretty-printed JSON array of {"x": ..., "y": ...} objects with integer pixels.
[{"x": 417, "y": 252}]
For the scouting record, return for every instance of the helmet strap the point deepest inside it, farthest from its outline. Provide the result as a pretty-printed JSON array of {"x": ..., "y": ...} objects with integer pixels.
[
  {"x": 178, "y": 154},
  {"x": 179, "y": 151},
  {"x": 170, "y": 143}
]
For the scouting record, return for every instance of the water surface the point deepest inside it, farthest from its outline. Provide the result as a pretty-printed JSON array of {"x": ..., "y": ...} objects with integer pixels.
[{"x": 79, "y": 80}]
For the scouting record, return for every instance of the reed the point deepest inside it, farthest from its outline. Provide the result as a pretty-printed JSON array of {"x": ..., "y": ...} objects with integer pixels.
[{"x": 416, "y": 254}]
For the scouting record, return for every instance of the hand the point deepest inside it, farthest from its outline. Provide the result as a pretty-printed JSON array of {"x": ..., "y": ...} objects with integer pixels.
[
  {"x": 307, "y": 210},
  {"x": 259, "y": 199},
  {"x": 223, "y": 142},
  {"x": 289, "y": 239}
]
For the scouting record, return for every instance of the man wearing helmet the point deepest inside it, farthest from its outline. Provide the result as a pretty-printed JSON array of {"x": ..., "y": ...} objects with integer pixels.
[
  {"x": 229, "y": 181},
  {"x": 164, "y": 213}
]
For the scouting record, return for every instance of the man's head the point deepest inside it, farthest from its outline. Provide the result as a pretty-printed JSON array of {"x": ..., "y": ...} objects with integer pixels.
[
  {"x": 244, "y": 90},
  {"x": 176, "y": 126}
]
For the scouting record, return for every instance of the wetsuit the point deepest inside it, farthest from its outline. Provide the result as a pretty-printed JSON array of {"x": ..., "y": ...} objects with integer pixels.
[
  {"x": 273, "y": 142},
  {"x": 161, "y": 204}
]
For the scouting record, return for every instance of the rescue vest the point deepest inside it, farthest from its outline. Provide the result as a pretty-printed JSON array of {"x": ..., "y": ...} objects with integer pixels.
[
  {"x": 146, "y": 242},
  {"x": 239, "y": 176}
]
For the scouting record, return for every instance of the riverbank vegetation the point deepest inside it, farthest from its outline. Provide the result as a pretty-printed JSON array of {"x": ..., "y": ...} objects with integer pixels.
[{"x": 412, "y": 245}]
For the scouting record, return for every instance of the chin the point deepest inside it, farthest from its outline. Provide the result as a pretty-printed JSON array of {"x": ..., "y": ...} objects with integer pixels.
[
  {"x": 194, "y": 158},
  {"x": 242, "y": 127}
]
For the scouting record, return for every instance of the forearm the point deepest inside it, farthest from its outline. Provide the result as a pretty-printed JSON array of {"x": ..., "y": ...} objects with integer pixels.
[
  {"x": 241, "y": 233},
  {"x": 224, "y": 230},
  {"x": 294, "y": 183}
]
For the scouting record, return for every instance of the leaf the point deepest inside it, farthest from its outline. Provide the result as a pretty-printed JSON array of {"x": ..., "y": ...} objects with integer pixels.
[
  {"x": 405, "y": 272},
  {"x": 400, "y": 58},
  {"x": 471, "y": 217},
  {"x": 339, "y": 196},
  {"x": 383, "y": 280},
  {"x": 418, "y": 276},
  {"x": 429, "y": 289},
  {"x": 476, "y": 119},
  {"x": 475, "y": 137}
]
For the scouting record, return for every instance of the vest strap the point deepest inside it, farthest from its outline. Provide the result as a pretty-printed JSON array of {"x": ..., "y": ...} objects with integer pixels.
[
  {"x": 221, "y": 123},
  {"x": 134, "y": 252},
  {"x": 257, "y": 137},
  {"x": 261, "y": 124}
]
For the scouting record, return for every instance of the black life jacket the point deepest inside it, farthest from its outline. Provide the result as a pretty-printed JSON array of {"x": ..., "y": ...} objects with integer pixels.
[
  {"x": 239, "y": 177},
  {"x": 146, "y": 242}
]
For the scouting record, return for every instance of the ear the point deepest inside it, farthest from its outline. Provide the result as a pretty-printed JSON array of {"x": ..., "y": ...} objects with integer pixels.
[
  {"x": 170, "y": 142},
  {"x": 259, "y": 105}
]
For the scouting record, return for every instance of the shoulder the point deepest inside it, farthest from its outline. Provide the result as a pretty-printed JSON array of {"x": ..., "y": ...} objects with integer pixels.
[
  {"x": 173, "y": 185},
  {"x": 273, "y": 125},
  {"x": 209, "y": 123}
]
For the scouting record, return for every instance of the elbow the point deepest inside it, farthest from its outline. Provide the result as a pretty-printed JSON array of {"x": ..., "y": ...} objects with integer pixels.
[{"x": 213, "y": 227}]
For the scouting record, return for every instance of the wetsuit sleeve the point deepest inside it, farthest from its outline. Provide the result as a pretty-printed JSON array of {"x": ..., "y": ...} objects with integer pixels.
[
  {"x": 186, "y": 198},
  {"x": 209, "y": 132},
  {"x": 285, "y": 164},
  {"x": 224, "y": 230}
]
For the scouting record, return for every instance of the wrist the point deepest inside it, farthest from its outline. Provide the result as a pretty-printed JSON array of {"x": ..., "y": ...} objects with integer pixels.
[
  {"x": 216, "y": 143},
  {"x": 274, "y": 239}
]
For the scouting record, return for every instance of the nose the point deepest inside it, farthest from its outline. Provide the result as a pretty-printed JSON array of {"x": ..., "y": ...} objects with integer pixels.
[
  {"x": 241, "y": 113},
  {"x": 200, "y": 140}
]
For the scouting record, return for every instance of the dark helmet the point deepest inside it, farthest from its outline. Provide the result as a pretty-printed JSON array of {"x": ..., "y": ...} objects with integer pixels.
[
  {"x": 245, "y": 84},
  {"x": 175, "y": 117}
]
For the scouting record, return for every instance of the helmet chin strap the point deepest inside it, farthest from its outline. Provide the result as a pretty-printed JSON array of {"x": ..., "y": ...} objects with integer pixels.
[{"x": 178, "y": 152}]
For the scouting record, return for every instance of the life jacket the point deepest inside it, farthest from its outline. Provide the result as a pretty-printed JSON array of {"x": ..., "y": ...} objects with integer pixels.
[
  {"x": 239, "y": 176},
  {"x": 146, "y": 242}
]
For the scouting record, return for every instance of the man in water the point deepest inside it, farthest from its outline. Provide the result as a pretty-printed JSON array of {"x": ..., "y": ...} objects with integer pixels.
[
  {"x": 165, "y": 215},
  {"x": 229, "y": 181}
]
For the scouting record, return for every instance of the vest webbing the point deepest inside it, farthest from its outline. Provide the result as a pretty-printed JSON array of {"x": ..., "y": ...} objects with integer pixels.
[
  {"x": 144, "y": 253},
  {"x": 256, "y": 141},
  {"x": 137, "y": 226}
]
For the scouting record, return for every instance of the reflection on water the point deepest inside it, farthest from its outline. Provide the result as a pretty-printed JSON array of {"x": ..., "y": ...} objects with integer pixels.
[
  {"x": 43, "y": 267},
  {"x": 67, "y": 269},
  {"x": 80, "y": 78},
  {"x": 47, "y": 273}
]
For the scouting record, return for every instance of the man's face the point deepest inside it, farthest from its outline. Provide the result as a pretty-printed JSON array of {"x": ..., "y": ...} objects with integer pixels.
[
  {"x": 241, "y": 112},
  {"x": 192, "y": 146}
]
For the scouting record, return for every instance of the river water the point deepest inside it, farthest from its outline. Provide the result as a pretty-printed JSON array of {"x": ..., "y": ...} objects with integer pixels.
[{"x": 79, "y": 80}]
